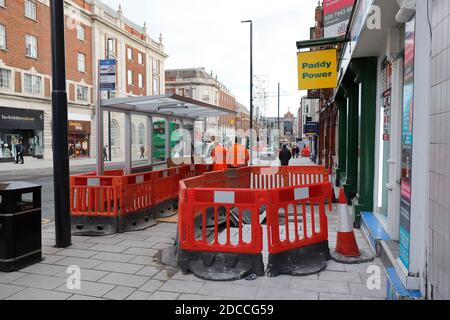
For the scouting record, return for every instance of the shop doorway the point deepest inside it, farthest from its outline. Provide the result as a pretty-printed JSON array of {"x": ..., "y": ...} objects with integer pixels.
[{"x": 78, "y": 146}]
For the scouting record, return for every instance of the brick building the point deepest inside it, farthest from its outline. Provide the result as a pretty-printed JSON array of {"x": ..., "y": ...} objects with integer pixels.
[
  {"x": 25, "y": 72},
  {"x": 203, "y": 86}
]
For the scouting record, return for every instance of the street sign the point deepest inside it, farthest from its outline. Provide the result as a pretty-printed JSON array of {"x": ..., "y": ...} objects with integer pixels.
[
  {"x": 317, "y": 69},
  {"x": 108, "y": 71},
  {"x": 311, "y": 129}
]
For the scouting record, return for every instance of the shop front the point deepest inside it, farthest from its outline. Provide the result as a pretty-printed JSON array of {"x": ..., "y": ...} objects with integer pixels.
[
  {"x": 21, "y": 125},
  {"x": 382, "y": 162},
  {"x": 79, "y": 137}
]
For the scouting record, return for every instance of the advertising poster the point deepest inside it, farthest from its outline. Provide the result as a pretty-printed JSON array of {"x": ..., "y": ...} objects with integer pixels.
[
  {"x": 407, "y": 144},
  {"x": 337, "y": 14}
]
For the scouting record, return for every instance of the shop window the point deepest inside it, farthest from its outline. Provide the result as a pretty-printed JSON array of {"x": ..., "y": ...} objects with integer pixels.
[
  {"x": 82, "y": 93},
  {"x": 114, "y": 133},
  {"x": 32, "y": 84},
  {"x": 5, "y": 78}
]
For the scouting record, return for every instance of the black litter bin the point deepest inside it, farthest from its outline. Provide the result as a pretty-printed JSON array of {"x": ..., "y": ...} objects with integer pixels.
[{"x": 20, "y": 225}]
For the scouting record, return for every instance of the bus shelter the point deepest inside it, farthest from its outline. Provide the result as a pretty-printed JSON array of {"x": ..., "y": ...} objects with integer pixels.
[{"x": 170, "y": 107}]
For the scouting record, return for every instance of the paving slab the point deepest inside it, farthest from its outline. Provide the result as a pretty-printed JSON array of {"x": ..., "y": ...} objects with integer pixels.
[
  {"x": 115, "y": 257},
  {"x": 88, "y": 288},
  {"x": 122, "y": 279},
  {"x": 181, "y": 286},
  {"x": 119, "y": 293},
  {"x": 39, "y": 294},
  {"x": 285, "y": 294},
  {"x": 39, "y": 282},
  {"x": 80, "y": 262},
  {"x": 119, "y": 267},
  {"x": 228, "y": 290},
  {"x": 113, "y": 248},
  {"x": 7, "y": 290},
  {"x": 7, "y": 277},
  {"x": 319, "y": 285},
  {"x": 151, "y": 286},
  {"x": 149, "y": 271},
  {"x": 159, "y": 295}
]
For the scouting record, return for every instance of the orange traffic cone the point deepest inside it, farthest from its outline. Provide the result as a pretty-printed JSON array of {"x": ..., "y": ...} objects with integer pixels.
[{"x": 347, "y": 250}]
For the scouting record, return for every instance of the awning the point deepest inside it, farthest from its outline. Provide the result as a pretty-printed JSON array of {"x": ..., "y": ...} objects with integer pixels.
[{"x": 168, "y": 105}]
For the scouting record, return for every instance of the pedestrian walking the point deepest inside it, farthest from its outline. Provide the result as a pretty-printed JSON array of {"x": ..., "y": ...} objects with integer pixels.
[
  {"x": 285, "y": 156},
  {"x": 105, "y": 153},
  {"x": 142, "y": 152},
  {"x": 20, "y": 149}
]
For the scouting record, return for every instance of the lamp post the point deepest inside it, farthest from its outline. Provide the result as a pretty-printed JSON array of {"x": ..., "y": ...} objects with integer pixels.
[
  {"x": 59, "y": 127},
  {"x": 251, "y": 89},
  {"x": 110, "y": 42}
]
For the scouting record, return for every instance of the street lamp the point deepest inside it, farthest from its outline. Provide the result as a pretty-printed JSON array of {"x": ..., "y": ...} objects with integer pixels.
[{"x": 251, "y": 88}]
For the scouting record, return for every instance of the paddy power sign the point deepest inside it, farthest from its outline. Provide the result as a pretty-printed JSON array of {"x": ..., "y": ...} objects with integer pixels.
[{"x": 317, "y": 69}]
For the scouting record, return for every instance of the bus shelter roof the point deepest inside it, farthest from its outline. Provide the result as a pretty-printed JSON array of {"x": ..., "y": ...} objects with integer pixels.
[{"x": 168, "y": 105}]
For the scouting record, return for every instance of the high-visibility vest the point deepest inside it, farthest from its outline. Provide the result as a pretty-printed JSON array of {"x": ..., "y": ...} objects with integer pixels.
[
  {"x": 237, "y": 156},
  {"x": 219, "y": 156}
]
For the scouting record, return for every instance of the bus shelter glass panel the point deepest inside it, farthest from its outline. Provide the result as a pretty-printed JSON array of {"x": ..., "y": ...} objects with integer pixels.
[{"x": 139, "y": 136}]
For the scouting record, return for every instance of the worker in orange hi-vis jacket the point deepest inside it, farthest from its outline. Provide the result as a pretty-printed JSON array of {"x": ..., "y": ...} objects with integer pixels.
[
  {"x": 219, "y": 156},
  {"x": 237, "y": 156}
]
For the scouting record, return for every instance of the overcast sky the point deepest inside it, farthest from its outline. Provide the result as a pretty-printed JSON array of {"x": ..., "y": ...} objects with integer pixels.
[{"x": 208, "y": 33}]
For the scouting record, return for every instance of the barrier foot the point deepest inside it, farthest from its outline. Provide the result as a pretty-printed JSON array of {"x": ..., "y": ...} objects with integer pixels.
[
  {"x": 94, "y": 226},
  {"x": 299, "y": 262},
  {"x": 363, "y": 258},
  {"x": 220, "y": 266},
  {"x": 166, "y": 209},
  {"x": 136, "y": 221}
]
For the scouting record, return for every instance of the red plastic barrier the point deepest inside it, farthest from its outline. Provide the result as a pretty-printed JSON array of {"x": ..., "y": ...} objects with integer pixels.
[
  {"x": 302, "y": 210},
  {"x": 92, "y": 196},
  {"x": 137, "y": 192},
  {"x": 195, "y": 206}
]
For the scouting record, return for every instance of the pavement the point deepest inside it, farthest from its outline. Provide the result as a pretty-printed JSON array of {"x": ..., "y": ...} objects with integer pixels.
[{"x": 127, "y": 267}]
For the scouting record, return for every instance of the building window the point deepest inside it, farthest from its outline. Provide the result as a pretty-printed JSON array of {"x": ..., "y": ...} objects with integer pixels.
[
  {"x": 141, "y": 81},
  {"x": 81, "y": 32},
  {"x": 141, "y": 134},
  {"x": 114, "y": 133},
  {"x": 110, "y": 48},
  {"x": 140, "y": 58},
  {"x": 2, "y": 3},
  {"x": 156, "y": 86},
  {"x": 2, "y": 37},
  {"x": 130, "y": 78},
  {"x": 82, "y": 93},
  {"x": 130, "y": 53},
  {"x": 81, "y": 62},
  {"x": 30, "y": 9},
  {"x": 5, "y": 78},
  {"x": 31, "y": 46},
  {"x": 32, "y": 84}
]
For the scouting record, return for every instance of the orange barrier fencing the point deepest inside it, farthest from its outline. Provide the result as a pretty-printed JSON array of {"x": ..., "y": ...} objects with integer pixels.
[
  {"x": 215, "y": 242},
  {"x": 117, "y": 202}
]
